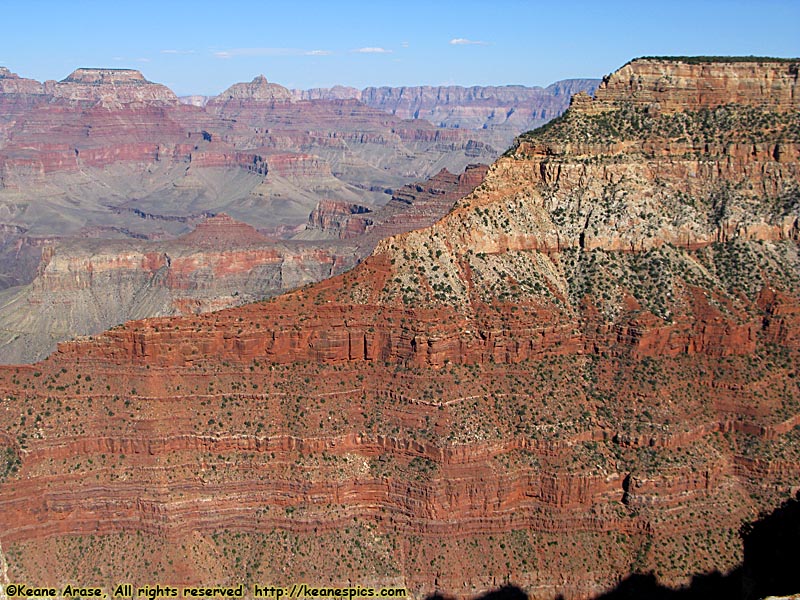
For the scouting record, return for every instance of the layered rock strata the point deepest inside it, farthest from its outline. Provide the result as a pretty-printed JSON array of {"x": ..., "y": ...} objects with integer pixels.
[
  {"x": 668, "y": 85},
  {"x": 586, "y": 369},
  {"x": 85, "y": 287},
  {"x": 500, "y": 108},
  {"x": 111, "y": 87},
  {"x": 101, "y": 140}
]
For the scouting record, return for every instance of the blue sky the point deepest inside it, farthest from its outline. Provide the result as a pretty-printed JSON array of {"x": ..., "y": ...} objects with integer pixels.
[{"x": 203, "y": 47}]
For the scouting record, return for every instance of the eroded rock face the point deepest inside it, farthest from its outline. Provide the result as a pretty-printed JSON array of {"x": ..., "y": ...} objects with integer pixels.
[
  {"x": 11, "y": 83},
  {"x": 672, "y": 84},
  {"x": 340, "y": 219},
  {"x": 111, "y": 87},
  {"x": 506, "y": 110},
  {"x": 85, "y": 287},
  {"x": 258, "y": 89},
  {"x": 477, "y": 107},
  {"x": 548, "y": 386}
]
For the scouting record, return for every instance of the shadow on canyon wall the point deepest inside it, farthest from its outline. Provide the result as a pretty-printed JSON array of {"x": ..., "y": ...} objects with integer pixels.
[{"x": 771, "y": 567}]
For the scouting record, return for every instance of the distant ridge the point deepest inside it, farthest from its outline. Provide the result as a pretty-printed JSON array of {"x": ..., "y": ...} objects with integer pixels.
[{"x": 99, "y": 75}]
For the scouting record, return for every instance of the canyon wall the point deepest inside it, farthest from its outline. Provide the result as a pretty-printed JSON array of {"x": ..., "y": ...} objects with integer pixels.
[
  {"x": 511, "y": 109},
  {"x": 586, "y": 369},
  {"x": 766, "y": 83},
  {"x": 84, "y": 287}
]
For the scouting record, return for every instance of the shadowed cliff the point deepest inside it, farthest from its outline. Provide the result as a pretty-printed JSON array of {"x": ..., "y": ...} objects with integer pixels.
[{"x": 770, "y": 568}]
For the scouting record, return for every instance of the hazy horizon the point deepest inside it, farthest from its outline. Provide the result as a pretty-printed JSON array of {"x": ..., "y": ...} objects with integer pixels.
[{"x": 204, "y": 47}]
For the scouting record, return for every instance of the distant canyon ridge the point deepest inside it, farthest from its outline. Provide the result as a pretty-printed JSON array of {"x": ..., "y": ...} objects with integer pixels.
[
  {"x": 508, "y": 109},
  {"x": 104, "y": 175}
]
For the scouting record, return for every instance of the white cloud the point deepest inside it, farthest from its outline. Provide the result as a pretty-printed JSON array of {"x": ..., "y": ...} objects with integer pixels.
[
  {"x": 144, "y": 60},
  {"x": 177, "y": 52},
  {"x": 372, "y": 50},
  {"x": 466, "y": 42},
  {"x": 404, "y": 44},
  {"x": 235, "y": 52}
]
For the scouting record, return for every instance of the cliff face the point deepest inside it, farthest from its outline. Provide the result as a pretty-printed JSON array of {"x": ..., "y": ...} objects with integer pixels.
[
  {"x": 339, "y": 219},
  {"x": 506, "y": 110},
  {"x": 671, "y": 85},
  {"x": 587, "y": 368},
  {"x": 85, "y": 287},
  {"x": 515, "y": 107},
  {"x": 11, "y": 83}
]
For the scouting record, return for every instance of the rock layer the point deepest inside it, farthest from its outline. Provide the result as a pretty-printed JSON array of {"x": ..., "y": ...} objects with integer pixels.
[
  {"x": 548, "y": 386},
  {"x": 671, "y": 85},
  {"x": 83, "y": 288},
  {"x": 506, "y": 109}
]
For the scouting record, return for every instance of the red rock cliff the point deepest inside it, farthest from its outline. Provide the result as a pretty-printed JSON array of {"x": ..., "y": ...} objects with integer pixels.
[
  {"x": 673, "y": 84},
  {"x": 546, "y": 386}
]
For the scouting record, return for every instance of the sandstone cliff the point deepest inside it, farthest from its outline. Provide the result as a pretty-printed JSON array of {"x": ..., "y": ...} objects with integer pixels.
[
  {"x": 586, "y": 369},
  {"x": 502, "y": 111},
  {"x": 84, "y": 287},
  {"x": 111, "y": 87},
  {"x": 704, "y": 83},
  {"x": 259, "y": 90}
]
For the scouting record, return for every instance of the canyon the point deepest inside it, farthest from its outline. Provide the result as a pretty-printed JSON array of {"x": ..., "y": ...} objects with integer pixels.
[
  {"x": 110, "y": 143},
  {"x": 83, "y": 287},
  {"x": 505, "y": 110},
  {"x": 587, "y": 368},
  {"x": 105, "y": 168}
]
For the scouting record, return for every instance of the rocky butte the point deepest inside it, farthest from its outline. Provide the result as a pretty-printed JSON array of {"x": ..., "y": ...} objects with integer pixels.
[{"x": 587, "y": 369}]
